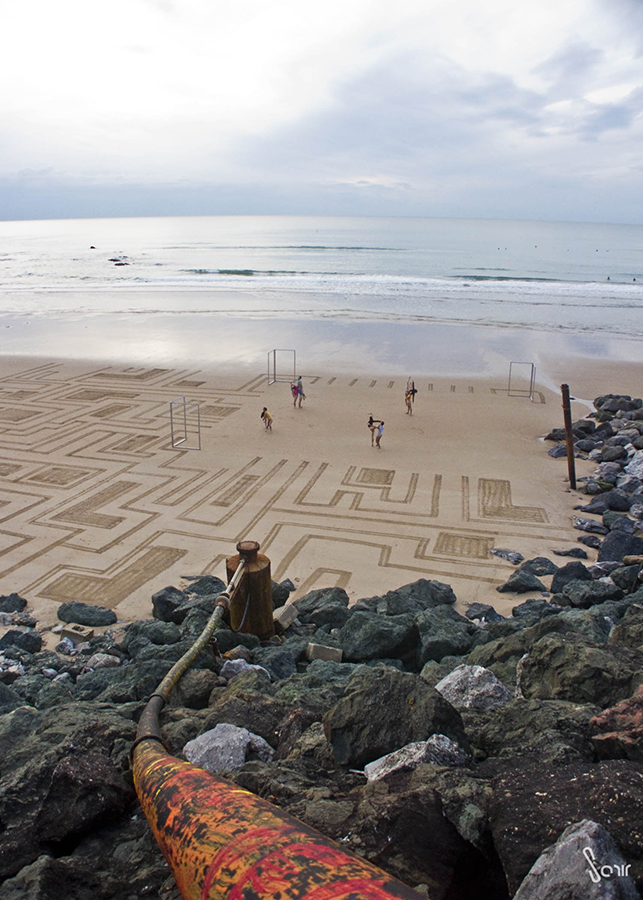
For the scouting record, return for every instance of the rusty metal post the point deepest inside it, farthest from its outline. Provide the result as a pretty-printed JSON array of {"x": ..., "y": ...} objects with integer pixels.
[
  {"x": 569, "y": 438},
  {"x": 251, "y": 611}
]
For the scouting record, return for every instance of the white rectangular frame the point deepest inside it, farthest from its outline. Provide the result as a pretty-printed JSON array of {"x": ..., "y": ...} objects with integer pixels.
[
  {"x": 522, "y": 392},
  {"x": 273, "y": 373},
  {"x": 185, "y": 420}
]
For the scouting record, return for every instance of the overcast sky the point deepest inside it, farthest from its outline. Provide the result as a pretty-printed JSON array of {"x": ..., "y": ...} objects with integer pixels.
[{"x": 481, "y": 108}]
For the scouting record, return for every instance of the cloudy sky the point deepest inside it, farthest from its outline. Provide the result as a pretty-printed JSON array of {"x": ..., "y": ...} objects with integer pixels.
[{"x": 481, "y": 108}]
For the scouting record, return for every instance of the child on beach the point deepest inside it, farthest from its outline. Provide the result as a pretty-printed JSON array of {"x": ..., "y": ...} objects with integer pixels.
[
  {"x": 295, "y": 393},
  {"x": 372, "y": 425},
  {"x": 267, "y": 419},
  {"x": 407, "y": 399},
  {"x": 380, "y": 432}
]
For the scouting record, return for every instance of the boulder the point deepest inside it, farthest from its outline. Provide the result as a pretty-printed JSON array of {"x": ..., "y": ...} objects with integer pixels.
[
  {"x": 540, "y": 565},
  {"x": 560, "y": 872},
  {"x": 483, "y": 611},
  {"x": 635, "y": 465},
  {"x": 590, "y": 540},
  {"x": 626, "y": 577},
  {"x": 569, "y": 667},
  {"x": 281, "y": 659},
  {"x": 26, "y": 640},
  {"x": 533, "y": 610},
  {"x": 165, "y": 603},
  {"x": 613, "y": 520},
  {"x": 618, "y": 544},
  {"x": 372, "y": 636},
  {"x": 281, "y": 592},
  {"x": 12, "y": 603},
  {"x": 384, "y": 709},
  {"x": 617, "y": 733},
  {"x": 226, "y": 748},
  {"x": 520, "y": 581},
  {"x": 583, "y": 594},
  {"x": 572, "y": 571},
  {"x": 552, "y": 731},
  {"x": 315, "y": 601},
  {"x": 444, "y": 632},
  {"x": 410, "y": 598},
  {"x": 473, "y": 687},
  {"x": 232, "y": 668},
  {"x": 86, "y": 614},
  {"x": 438, "y": 749},
  {"x": 629, "y": 630},
  {"x": 206, "y": 586}
]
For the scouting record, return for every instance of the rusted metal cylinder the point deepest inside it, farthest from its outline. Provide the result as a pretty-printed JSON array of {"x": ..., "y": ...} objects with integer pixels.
[
  {"x": 224, "y": 843},
  {"x": 251, "y": 610}
]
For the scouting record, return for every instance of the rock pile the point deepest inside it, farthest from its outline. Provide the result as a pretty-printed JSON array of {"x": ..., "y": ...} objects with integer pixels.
[{"x": 453, "y": 751}]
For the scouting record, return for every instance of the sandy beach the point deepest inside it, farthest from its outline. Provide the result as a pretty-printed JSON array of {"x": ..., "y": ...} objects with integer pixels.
[{"x": 98, "y": 506}]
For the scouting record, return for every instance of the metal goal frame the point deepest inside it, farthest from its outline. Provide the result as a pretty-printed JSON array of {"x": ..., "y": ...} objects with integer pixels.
[
  {"x": 513, "y": 390},
  {"x": 273, "y": 369},
  {"x": 185, "y": 424}
]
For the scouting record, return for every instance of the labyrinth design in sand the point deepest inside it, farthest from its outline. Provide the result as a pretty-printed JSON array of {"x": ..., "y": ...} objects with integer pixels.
[{"x": 96, "y": 505}]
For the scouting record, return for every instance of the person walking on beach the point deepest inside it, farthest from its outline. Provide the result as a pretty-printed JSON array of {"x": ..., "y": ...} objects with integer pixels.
[
  {"x": 295, "y": 393},
  {"x": 267, "y": 419},
  {"x": 407, "y": 399},
  {"x": 300, "y": 390},
  {"x": 380, "y": 432},
  {"x": 372, "y": 427}
]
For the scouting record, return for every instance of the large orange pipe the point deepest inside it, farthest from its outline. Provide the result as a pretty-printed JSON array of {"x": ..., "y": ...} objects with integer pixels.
[{"x": 224, "y": 843}]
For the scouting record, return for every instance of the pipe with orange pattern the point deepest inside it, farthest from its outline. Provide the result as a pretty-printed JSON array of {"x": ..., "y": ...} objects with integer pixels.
[{"x": 225, "y": 843}]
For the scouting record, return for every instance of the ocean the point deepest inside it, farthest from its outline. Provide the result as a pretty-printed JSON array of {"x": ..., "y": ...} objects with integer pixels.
[{"x": 545, "y": 275}]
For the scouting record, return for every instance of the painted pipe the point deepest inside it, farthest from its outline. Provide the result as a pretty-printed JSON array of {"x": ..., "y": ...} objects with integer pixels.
[{"x": 225, "y": 843}]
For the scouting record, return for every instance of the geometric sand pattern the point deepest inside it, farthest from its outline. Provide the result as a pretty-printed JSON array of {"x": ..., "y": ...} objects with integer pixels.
[{"x": 96, "y": 505}]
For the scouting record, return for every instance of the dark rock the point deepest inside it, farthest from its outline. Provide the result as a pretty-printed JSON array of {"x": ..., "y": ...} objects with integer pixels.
[
  {"x": 281, "y": 592},
  {"x": 558, "y": 451},
  {"x": 587, "y": 426},
  {"x": 383, "y": 710},
  {"x": 556, "y": 434},
  {"x": 166, "y": 602},
  {"x": 572, "y": 571},
  {"x": 587, "y": 445},
  {"x": 534, "y": 610},
  {"x": 590, "y": 540},
  {"x": 502, "y": 654},
  {"x": 483, "y": 611},
  {"x": 597, "y": 505},
  {"x": 206, "y": 586},
  {"x": 411, "y": 598},
  {"x": 570, "y": 667},
  {"x": 227, "y": 640},
  {"x": 12, "y": 603},
  {"x": 26, "y": 640},
  {"x": 372, "y": 636},
  {"x": 150, "y": 631},
  {"x": 9, "y": 699},
  {"x": 259, "y": 713},
  {"x": 554, "y": 731},
  {"x": 629, "y": 631},
  {"x": 618, "y": 500},
  {"x": 311, "y": 605},
  {"x": 615, "y": 521},
  {"x": 281, "y": 659},
  {"x": 520, "y": 581},
  {"x": 86, "y": 614},
  {"x": 626, "y": 577},
  {"x": 532, "y": 805},
  {"x": 576, "y": 552},
  {"x": 194, "y": 689},
  {"x": 583, "y": 594},
  {"x": 540, "y": 565},
  {"x": 617, "y": 733},
  {"x": 444, "y": 632},
  {"x": 618, "y": 544},
  {"x": 610, "y": 454}
]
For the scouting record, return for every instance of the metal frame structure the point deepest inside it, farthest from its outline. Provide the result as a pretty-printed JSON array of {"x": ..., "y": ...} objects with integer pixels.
[
  {"x": 182, "y": 442},
  {"x": 522, "y": 392},
  {"x": 273, "y": 374}
]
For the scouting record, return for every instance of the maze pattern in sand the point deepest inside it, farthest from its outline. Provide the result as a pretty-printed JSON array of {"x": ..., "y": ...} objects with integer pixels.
[{"x": 96, "y": 505}]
